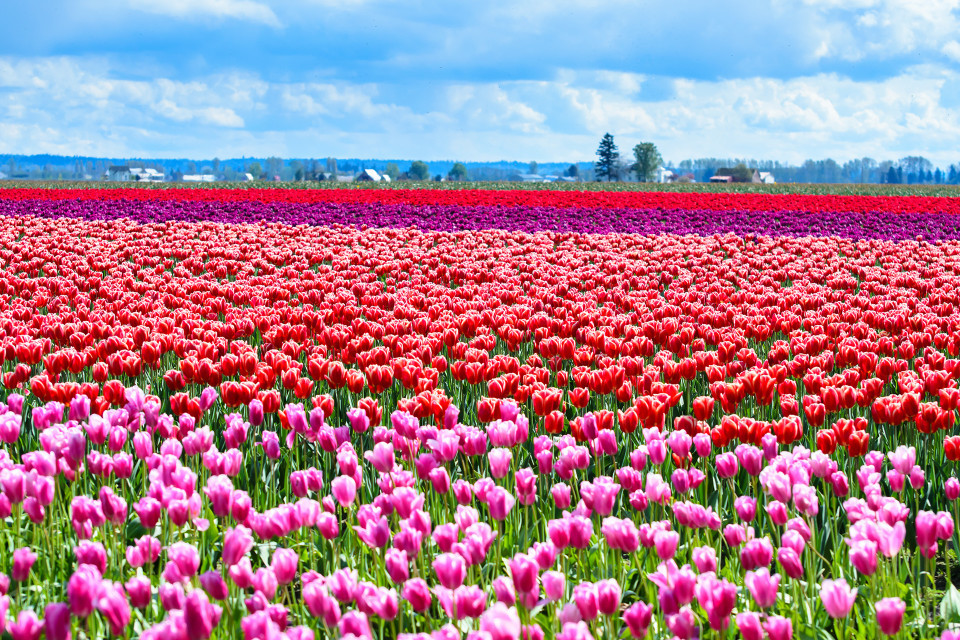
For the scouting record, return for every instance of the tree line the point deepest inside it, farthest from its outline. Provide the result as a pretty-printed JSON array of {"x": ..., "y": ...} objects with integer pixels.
[{"x": 610, "y": 166}]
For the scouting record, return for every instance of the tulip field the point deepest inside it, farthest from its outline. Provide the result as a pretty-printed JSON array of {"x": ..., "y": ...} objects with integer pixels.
[{"x": 478, "y": 414}]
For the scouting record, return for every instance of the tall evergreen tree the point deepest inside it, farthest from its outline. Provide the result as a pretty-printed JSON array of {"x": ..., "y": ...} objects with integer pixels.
[{"x": 608, "y": 156}]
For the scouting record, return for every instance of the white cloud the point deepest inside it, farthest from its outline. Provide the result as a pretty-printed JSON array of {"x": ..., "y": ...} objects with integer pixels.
[
  {"x": 952, "y": 50},
  {"x": 880, "y": 29},
  {"x": 83, "y": 106},
  {"x": 200, "y": 9}
]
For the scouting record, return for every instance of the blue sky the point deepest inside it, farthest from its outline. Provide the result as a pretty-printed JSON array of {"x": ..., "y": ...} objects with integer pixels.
[{"x": 535, "y": 80}]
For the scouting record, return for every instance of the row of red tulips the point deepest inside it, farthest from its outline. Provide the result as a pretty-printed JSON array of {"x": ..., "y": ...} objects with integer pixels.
[{"x": 507, "y": 198}]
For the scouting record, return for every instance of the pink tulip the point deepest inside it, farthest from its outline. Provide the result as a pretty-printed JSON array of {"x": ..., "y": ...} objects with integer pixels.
[
  {"x": 172, "y": 596},
  {"x": 185, "y": 557},
  {"x": 200, "y": 615},
  {"x": 763, "y": 587},
  {"x": 622, "y": 535},
  {"x": 500, "y": 460},
  {"x": 837, "y": 597},
  {"x": 656, "y": 450},
  {"x": 789, "y": 561},
  {"x": 863, "y": 556},
  {"x": 417, "y": 593},
  {"x": 944, "y": 525},
  {"x": 683, "y": 624},
  {"x": 585, "y": 597},
  {"x": 504, "y": 591},
  {"x": 23, "y": 560},
  {"x": 241, "y": 573},
  {"x": 717, "y": 597},
  {"x": 10, "y": 427},
  {"x": 500, "y": 622},
  {"x": 450, "y": 569},
  {"x": 604, "y": 495},
  {"x": 139, "y": 591},
  {"x": 903, "y": 459},
  {"x": 526, "y": 484},
  {"x": 917, "y": 478},
  {"x": 214, "y": 584},
  {"x": 890, "y": 615},
  {"x": 82, "y": 589},
  {"x": 236, "y": 543},
  {"x": 727, "y": 465},
  {"x": 756, "y": 553},
  {"x": 381, "y": 457},
  {"x": 148, "y": 510},
  {"x": 666, "y": 544},
  {"x": 554, "y": 584},
  {"x": 778, "y": 628},
  {"x": 500, "y": 503},
  {"x": 680, "y": 443},
  {"x": 26, "y": 627},
  {"x": 703, "y": 444},
  {"x": 112, "y": 605},
  {"x": 440, "y": 480},
  {"x": 637, "y": 617},
  {"x": 397, "y": 564},
  {"x": 284, "y": 565},
  {"x": 463, "y": 492},
  {"x": 56, "y": 621},
  {"x": 951, "y": 489},
  {"x": 748, "y": 623},
  {"x": 524, "y": 571},
  {"x": 561, "y": 495},
  {"x": 705, "y": 559},
  {"x": 750, "y": 458},
  {"x": 608, "y": 597},
  {"x": 746, "y": 508},
  {"x": 927, "y": 533},
  {"x": 375, "y": 534}
]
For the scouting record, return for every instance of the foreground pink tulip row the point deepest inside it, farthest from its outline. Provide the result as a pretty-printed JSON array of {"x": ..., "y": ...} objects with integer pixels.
[{"x": 449, "y": 530}]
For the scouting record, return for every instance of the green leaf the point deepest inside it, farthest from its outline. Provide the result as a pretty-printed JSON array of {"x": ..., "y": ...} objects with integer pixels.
[
  {"x": 133, "y": 530},
  {"x": 950, "y": 606}
]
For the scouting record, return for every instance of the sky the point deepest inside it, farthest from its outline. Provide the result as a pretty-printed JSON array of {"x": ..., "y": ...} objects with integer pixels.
[{"x": 535, "y": 80}]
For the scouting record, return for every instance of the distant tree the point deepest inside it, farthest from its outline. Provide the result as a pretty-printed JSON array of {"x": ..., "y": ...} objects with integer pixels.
[
  {"x": 419, "y": 170},
  {"x": 892, "y": 177},
  {"x": 458, "y": 172},
  {"x": 573, "y": 171},
  {"x": 742, "y": 173},
  {"x": 608, "y": 155},
  {"x": 648, "y": 160},
  {"x": 274, "y": 166},
  {"x": 952, "y": 176},
  {"x": 533, "y": 167},
  {"x": 438, "y": 178},
  {"x": 254, "y": 169},
  {"x": 938, "y": 176},
  {"x": 216, "y": 166},
  {"x": 297, "y": 169},
  {"x": 332, "y": 166},
  {"x": 191, "y": 167},
  {"x": 392, "y": 170}
]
